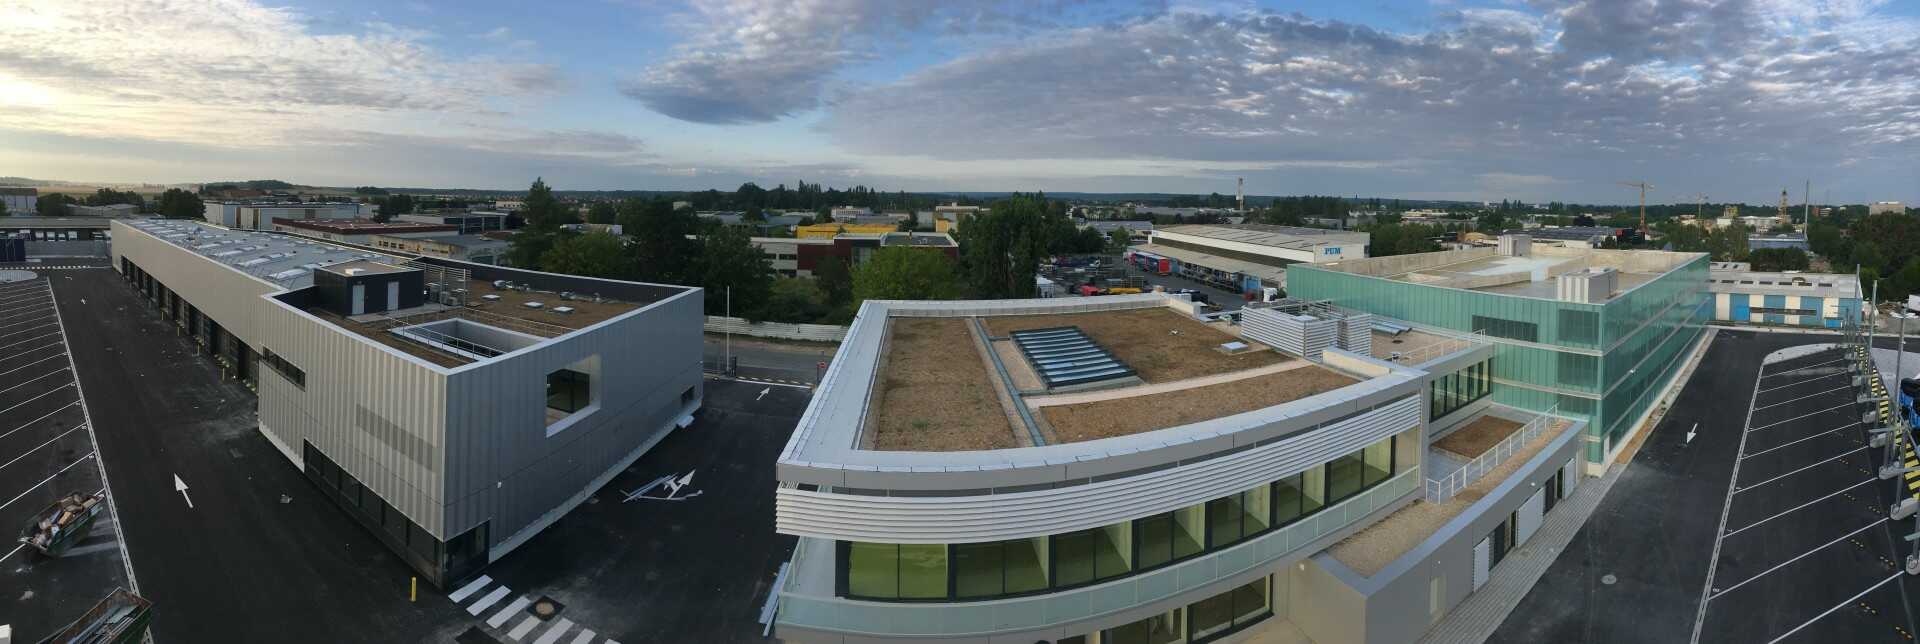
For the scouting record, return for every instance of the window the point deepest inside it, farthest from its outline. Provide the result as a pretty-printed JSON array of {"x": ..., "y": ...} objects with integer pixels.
[
  {"x": 1343, "y": 477},
  {"x": 1451, "y": 392},
  {"x": 568, "y": 391},
  {"x": 1087, "y": 556},
  {"x": 1504, "y": 328},
  {"x": 1377, "y": 463},
  {"x": 1226, "y": 611},
  {"x": 895, "y": 571},
  {"x": 286, "y": 369},
  {"x": 1165, "y": 628}
]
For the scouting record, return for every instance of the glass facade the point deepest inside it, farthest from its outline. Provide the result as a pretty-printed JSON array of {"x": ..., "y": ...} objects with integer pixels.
[
  {"x": 1448, "y": 393},
  {"x": 975, "y": 571},
  {"x": 1600, "y": 362},
  {"x": 1202, "y": 621}
]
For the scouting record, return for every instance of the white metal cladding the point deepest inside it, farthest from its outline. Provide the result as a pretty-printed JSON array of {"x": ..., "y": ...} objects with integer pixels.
[{"x": 973, "y": 519}]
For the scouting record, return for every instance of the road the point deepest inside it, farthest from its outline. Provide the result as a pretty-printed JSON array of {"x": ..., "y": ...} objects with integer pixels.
[{"x": 780, "y": 362}]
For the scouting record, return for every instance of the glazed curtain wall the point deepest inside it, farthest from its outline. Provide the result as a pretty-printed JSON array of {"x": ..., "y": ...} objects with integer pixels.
[
  {"x": 979, "y": 571},
  {"x": 1449, "y": 392}
]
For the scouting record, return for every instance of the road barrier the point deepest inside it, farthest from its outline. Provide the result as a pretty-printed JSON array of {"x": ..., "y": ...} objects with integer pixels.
[{"x": 777, "y": 330}]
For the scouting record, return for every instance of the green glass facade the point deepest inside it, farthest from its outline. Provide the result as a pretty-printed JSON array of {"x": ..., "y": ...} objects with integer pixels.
[{"x": 1601, "y": 362}]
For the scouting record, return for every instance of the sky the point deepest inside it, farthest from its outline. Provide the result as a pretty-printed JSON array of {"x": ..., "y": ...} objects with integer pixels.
[{"x": 1423, "y": 99}]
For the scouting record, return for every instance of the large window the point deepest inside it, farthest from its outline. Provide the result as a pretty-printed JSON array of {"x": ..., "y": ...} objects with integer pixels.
[
  {"x": 286, "y": 369},
  {"x": 1450, "y": 392},
  {"x": 1202, "y": 621},
  {"x": 1042, "y": 564},
  {"x": 568, "y": 391}
]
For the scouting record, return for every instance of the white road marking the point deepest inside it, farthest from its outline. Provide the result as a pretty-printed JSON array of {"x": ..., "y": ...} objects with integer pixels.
[
  {"x": 584, "y": 637},
  {"x": 525, "y": 626},
  {"x": 1799, "y": 369},
  {"x": 1800, "y": 440},
  {"x": 44, "y": 323},
  {"x": 1801, "y": 506},
  {"x": 469, "y": 589},
  {"x": 1802, "y": 382},
  {"x": 1789, "y": 420},
  {"x": 487, "y": 601},
  {"x": 44, "y": 481},
  {"x": 1803, "y": 468},
  {"x": 1713, "y": 562},
  {"x": 22, "y": 353},
  {"x": 113, "y": 502},
  {"x": 44, "y": 394},
  {"x": 1844, "y": 604},
  {"x": 23, "y": 383},
  {"x": 32, "y": 321},
  {"x": 553, "y": 634},
  {"x": 181, "y": 487},
  {"x": 508, "y": 612},
  {"x": 1802, "y": 555},
  {"x": 37, "y": 447},
  {"x": 31, "y": 422},
  {"x": 10, "y": 552},
  {"x": 9, "y": 346},
  {"x": 1817, "y": 393}
]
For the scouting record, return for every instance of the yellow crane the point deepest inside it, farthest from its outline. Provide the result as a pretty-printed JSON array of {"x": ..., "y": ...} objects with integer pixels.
[{"x": 1643, "y": 186}]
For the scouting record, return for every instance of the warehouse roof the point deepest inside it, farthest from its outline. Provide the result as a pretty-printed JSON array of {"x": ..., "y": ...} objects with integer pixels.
[
  {"x": 285, "y": 260},
  {"x": 363, "y": 226},
  {"x": 1833, "y": 285},
  {"x": 30, "y": 222},
  {"x": 1273, "y": 274},
  {"x": 1293, "y": 237}
]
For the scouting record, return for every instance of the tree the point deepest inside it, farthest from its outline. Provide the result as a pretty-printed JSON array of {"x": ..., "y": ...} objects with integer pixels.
[
  {"x": 834, "y": 279},
  {"x": 1118, "y": 240},
  {"x": 1778, "y": 259},
  {"x": 180, "y": 204},
  {"x": 1903, "y": 282},
  {"x": 543, "y": 215},
  {"x": 589, "y": 254},
  {"x": 906, "y": 273},
  {"x": 393, "y": 206},
  {"x": 602, "y": 212},
  {"x": 3, "y": 209},
  {"x": 795, "y": 299},
  {"x": 369, "y": 191},
  {"x": 52, "y": 205},
  {"x": 1494, "y": 221},
  {"x": 1001, "y": 247},
  {"x": 728, "y": 259},
  {"x": 1728, "y": 244},
  {"x": 109, "y": 197},
  {"x": 662, "y": 251}
]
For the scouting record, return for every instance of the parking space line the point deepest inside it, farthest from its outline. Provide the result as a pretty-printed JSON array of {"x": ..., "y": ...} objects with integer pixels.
[
  {"x": 43, "y": 322},
  {"x": 24, "y": 383},
  {"x": 43, "y": 395},
  {"x": 36, "y": 448},
  {"x": 1789, "y": 420},
  {"x": 1803, "y": 468},
  {"x": 1799, "y": 440},
  {"x": 508, "y": 612},
  {"x": 23, "y": 298},
  {"x": 49, "y": 335},
  {"x": 1801, "y": 506},
  {"x": 22, "y": 353},
  {"x": 1817, "y": 393},
  {"x": 1849, "y": 602},
  {"x": 1797, "y": 369},
  {"x": 1803, "y": 555},
  {"x": 1726, "y": 507},
  {"x": 9, "y": 326},
  {"x": 487, "y": 601},
  {"x": 469, "y": 589},
  {"x": 10, "y": 552},
  {"x": 1802, "y": 382},
  {"x": 44, "y": 481}
]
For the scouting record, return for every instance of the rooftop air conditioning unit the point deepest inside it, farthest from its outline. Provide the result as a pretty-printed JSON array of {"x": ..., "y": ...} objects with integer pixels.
[
  {"x": 533, "y": 305},
  {"x": 502, "y": 284},
  {"x": 566, "y": 295}
]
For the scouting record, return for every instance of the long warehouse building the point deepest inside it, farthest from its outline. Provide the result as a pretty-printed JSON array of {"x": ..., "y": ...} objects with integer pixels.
[{"x": 454, "y": 409}]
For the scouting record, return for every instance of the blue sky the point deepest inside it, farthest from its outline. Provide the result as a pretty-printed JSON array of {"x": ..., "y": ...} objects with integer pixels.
[{"x": 1462, "y": 99}]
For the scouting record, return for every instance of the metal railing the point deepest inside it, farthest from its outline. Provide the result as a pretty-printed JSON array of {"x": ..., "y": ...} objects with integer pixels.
[
  {"x": 1443, "y": 489},
  {"x": 1449, "y": 344},
  {"x": 955, "y": 619}
]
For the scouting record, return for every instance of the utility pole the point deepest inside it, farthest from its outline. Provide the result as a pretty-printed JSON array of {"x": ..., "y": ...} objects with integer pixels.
[
  {"x": 1806, "y": 203},
  {"x": 1643, "y": 186},
  {"x": 728, "y": 367}
]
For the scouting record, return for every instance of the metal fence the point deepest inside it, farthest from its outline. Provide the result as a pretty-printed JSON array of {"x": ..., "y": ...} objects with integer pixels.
[
  {"x": 777, "y": 330},
  {"x": 1444, "y": 488}
]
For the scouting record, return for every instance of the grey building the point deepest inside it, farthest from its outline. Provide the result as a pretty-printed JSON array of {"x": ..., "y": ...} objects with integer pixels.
[{"x": 454, "y": 409}]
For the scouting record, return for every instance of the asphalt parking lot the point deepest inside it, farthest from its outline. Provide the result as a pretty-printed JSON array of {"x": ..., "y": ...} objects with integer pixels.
[
  {"x": 46, "y": 452},
  {"x": 696, "y": 570},
  {"x": 1765, "y": 525}
]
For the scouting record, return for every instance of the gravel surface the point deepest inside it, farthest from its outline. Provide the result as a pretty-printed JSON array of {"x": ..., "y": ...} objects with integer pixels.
[{"x": 935, "y": 394}]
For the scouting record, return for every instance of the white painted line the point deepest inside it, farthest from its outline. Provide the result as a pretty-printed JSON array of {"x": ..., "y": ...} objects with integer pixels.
[
  {"x": 584, "y": 637},
  {"x": 113, "y": 500},
  {"x": 48, "y": 392},
  {"x": 23, "y": 296},
  {"x": 1817, "y": 393},
  {"x": 1800, "y": 440},
  {"x": 1802, "y": 382},
  {"x": 10, "y": 552},
  {"x": 1789, "y": 420},
  {"x": 47, "y": 335},
  {"x": 1713, "y": 563},
  {"x": 1849, "y": 602},
  {"x": 1799, "y": 369},
  {"x": 36, "y": 448},
  {"x": 487, "y": 601},
  {"x": 758, "y": 382},
  {"x": 1803, "y": 468},
  {"x": 1801, "y": 506},
  {"x": 24, "y": 300},
  {"x": 34, "y": 379},
  {"x": 525, "y": 626},
  {"x": 553, "y": 634},
  {"x": 508, "y": 612},
  {"x": 44, "y": 481},
  {"x": 469, "y": 589},
  {"x": 22, "y": 314},
  {"x": 32, "y": 321},
  {"x": 1803, "y": 555},
  {"x": 44, "y": 323},
  {"x": 22, "y": 353}
]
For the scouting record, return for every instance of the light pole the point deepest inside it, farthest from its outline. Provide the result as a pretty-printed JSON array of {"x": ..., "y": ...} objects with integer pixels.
[{"x": 728, "y": 365}]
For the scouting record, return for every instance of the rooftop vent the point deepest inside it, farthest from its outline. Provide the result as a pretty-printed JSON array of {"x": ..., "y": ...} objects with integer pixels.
[{"x": 1065, "y": 356}]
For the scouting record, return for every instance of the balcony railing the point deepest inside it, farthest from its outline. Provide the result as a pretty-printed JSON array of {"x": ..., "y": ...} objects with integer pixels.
[
  {"x": 839, "y": 614},
  {"x": 1443, "y": 489}
]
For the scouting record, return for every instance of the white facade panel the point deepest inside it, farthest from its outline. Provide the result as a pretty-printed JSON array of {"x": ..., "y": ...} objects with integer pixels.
[{"x": 1527, "y": 520}]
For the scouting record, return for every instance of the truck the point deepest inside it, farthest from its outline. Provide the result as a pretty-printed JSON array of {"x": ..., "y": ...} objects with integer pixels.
[{"x": 1089, "y": 290}]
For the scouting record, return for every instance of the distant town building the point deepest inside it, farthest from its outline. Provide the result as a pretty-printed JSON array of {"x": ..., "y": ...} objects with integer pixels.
[
  {"x": 478, "y": 249},
  {"x": 1782, "y": 299},
  {"x": 1730, "y": 212},
  {"x": 111, "y": 210},
  {"x": 1794, "y": 240},
  {"x": 799, "y": 256},
  {"x": 260, "y": 215},
  {"x": 845, "y": 213},
  {"x": 1886, "y": 208},
  {"x": 359, "y": 231},
  {"x": 20, "y": 200},
  {"x": 1245, "y": 257},
  {"x": 509, "y": 205}
]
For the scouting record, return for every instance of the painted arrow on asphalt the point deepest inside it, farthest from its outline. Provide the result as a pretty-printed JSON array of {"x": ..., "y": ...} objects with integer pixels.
[
  {"x": 181, "y": 487},
  {"x": 763, "y": 394},
  {"x": 1691, "y": 432}
]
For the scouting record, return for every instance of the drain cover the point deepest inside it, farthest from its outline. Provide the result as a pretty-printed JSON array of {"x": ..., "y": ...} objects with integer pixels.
[
  {"x": 1608, "y": 579},
  {"x": 547, "y": 608}
]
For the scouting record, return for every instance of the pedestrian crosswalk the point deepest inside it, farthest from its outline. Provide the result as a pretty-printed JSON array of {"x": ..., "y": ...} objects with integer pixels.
[{"x": 515, "y": 620}]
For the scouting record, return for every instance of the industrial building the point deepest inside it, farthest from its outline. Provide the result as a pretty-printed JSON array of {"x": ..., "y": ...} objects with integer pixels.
[
  {"x": 35, "y": 227},
  {"x": 1742, "y": 296},
  {"x": 466, "y": 222},
  {"x": 359, "y": 231},
  {"x": 1886, "y": 208},
  {"x": 1595, "y": 334},
  {"x": 799, "y": 256},
  {"x": 478, "y": 249},
  {"x": 255, "y": 215},
  {"x": 1243, "y": 257},
  {"x": 109, "y": 210},
  {"x": 1115, "y": 470},
  {"x": 1794, "y": 240},
  {"x": 453, "y": 409},
  {"x": 20, "y": 200}
]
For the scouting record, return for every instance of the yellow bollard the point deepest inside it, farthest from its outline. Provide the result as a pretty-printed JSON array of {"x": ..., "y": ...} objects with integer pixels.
[{"x": 413, "y": 589}]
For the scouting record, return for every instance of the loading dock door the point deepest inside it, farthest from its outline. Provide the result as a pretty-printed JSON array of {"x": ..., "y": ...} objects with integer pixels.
[
  {"x": 1529, "y": 515},
  {"x": 393, "y": 295},
  {"x": 359, "y": 299},
  {"x": 1482, "y": 560}
]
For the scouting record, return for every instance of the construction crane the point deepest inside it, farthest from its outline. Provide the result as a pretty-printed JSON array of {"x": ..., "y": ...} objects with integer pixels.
[
  {"x": 1701, "y": 211},
  {"x": 1644, "y": 187}
]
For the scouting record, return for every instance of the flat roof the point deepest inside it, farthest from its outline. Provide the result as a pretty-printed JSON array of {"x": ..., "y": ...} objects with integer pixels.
[
  {"x": 1834, "y": 285},
  {"x": 281, "y": 259},
  {"x": 507, "y": 309},
  {"x": 1533, "y": 275},
  {"x": 1292, "y": 237},
  {"x": 363, "y": 226},
  {"x": 365, "y": 266},
  {"x": 1266, "y": 273},
  {"x": 34, "y": 221},
  {"x": 463, "y": 241}
]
